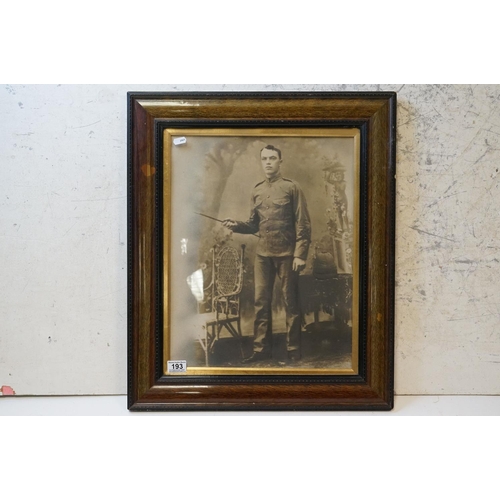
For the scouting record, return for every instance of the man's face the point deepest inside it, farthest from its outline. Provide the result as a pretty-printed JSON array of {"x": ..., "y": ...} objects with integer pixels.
[{"x": 271, "y": 162}]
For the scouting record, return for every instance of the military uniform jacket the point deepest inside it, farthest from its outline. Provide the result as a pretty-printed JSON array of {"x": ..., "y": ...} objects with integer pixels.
[{"x": 279, "y": 214}]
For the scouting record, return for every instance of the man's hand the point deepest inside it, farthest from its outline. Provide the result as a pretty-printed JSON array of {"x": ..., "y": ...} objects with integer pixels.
[
  {"x": 298, "y": 264},
  {"x": 229, "y": 223}
]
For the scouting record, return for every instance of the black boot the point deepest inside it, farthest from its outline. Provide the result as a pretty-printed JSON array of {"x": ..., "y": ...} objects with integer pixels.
[{"x": 256, "y": 356}]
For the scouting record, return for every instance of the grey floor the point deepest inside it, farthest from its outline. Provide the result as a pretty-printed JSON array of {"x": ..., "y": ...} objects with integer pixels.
[{"x": 322, "y": 346}]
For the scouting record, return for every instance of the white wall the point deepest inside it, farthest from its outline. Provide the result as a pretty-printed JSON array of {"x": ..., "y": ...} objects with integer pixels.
[{"x": 63, "y": 237}]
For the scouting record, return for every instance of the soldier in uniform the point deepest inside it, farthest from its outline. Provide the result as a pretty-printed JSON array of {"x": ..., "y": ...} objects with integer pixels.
[{"x": 279, "y": 214}]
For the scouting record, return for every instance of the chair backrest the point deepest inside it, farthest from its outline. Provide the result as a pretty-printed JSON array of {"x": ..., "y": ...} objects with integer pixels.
[{"x": 228, "y": 272}]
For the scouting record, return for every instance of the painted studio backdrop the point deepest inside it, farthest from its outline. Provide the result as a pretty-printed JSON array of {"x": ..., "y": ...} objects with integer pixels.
[{"x": 210, "y": 175}]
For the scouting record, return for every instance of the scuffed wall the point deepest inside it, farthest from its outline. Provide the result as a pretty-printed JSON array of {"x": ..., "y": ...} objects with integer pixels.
[
  {"x": 63, "y": 237},
  {"x": 448, "y": 258}
]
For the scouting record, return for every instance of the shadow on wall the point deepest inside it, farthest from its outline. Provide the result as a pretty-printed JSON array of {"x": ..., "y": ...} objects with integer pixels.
[{"x": 408, "y": 237}]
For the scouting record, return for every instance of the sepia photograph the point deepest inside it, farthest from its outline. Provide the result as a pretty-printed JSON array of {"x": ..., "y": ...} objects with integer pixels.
[{"x": 261, "y": 269}]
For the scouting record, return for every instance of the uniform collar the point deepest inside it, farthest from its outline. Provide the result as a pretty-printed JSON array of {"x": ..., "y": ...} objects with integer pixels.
[{"x": 274, "y": 179}]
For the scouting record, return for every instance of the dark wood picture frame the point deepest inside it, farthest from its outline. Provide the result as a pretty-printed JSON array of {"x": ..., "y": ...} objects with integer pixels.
[{"x": 374, "y": 114}]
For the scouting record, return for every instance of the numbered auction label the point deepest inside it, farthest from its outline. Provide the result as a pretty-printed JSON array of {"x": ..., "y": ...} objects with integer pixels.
[{"x": 176, "y": 366}]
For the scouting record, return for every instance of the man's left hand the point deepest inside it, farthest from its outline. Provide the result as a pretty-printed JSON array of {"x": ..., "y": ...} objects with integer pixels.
[{"x": 298, "y": 264}]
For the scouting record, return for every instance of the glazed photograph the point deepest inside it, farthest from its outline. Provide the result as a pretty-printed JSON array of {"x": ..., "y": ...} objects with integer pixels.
[{"x": 261, "y": 253}]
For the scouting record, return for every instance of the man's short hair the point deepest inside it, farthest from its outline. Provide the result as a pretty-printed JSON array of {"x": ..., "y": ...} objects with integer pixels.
[{"x": 272, "y": 148}]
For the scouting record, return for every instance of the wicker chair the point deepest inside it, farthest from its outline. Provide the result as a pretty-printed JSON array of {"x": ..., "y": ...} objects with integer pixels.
[{"x": 223, "y": 293}]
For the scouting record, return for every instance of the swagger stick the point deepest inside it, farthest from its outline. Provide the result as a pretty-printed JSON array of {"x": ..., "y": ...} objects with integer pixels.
[
  {"x": 208, "y": 217},
  {"x": 218, "y": 220}
]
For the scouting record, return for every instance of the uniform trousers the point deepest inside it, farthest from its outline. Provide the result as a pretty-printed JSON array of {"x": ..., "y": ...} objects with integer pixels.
[{"x": 265, "y": 271}]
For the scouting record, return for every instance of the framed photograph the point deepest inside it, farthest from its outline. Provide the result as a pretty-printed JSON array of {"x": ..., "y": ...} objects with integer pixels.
[{"x": 261, "y": 251}]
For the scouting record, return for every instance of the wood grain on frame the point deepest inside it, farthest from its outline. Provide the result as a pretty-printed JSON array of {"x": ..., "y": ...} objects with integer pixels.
[{"x": 148, "y": 390}]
